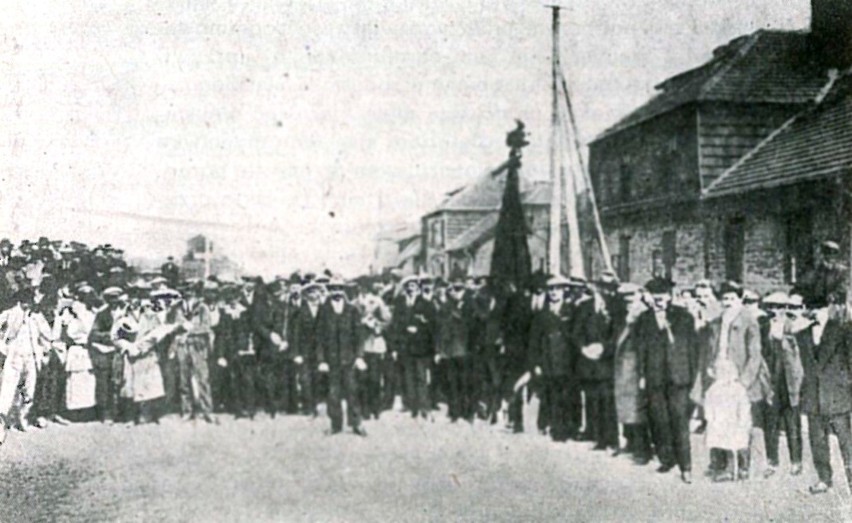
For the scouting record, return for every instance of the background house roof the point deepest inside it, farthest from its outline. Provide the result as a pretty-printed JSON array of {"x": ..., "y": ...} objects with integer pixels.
[
  {"x": 763, "y": 67},
  {"x": 816, "y": 143}
]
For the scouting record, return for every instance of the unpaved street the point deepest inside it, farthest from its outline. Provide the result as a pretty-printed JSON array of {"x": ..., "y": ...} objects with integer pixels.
[{"x": 287, "y": 470}]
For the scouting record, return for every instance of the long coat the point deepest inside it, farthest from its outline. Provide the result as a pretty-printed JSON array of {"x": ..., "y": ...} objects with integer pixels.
[
  {"x": 339, "y": 344},
  {"x": 783, "y": 361},
  {"x": 591, "y": 325},
  {"x": 454, "y": 328},
  {"x": 630, "y": 403},
  {"x": 551, "y": 347},
  {"x": 665, "y": 360},
  {"x": 143, "y": 377},
  {"x": 304, "y": 336},
  {"x": 825, "y": 389},
  {"x": 414, "y": 327},
  {"x": 743, "y": 350}
]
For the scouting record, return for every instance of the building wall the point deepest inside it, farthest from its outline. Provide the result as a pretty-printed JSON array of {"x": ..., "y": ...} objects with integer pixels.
[
  {"x": 769, "y": 252},
  {"x": 658, "y": 158},
  {"x": 647, "y": 253}
]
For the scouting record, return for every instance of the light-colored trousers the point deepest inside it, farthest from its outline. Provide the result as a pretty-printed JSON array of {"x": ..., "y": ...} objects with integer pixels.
[{"x": 17, "y": 369}]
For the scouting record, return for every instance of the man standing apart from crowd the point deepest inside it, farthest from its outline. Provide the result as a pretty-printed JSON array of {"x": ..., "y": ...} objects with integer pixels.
[
  {"x": 339, "y": 355},
  {"x": 666, "y": 341}
]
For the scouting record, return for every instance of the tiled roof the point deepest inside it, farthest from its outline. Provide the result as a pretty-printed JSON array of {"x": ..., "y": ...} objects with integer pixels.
[
  {"x": 763, "y": 67},
  {"x": 486, "y": 193},
  {"x": 411, "y": 251},
  {"x": 816, "y": 143}
]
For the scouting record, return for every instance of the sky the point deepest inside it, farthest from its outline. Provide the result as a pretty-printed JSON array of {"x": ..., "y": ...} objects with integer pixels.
[{"x": 290, "y": 132}]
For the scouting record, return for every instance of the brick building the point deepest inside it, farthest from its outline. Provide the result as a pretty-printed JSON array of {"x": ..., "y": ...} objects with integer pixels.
[
  {"x": 769, "y": 211},
  {"x": 459, "y": 233},
  {"x": 651, "y": 170}
]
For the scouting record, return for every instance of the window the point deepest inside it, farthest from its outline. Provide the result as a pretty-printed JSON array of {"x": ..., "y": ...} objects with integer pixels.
[
  {"x": 798, "y": 242},
  {"x": 734, "y": 240},
  {"x": 436, "y": 233},
  {"x": 657, "y": 268},
  {"x": 625, "y": 182},
  {"x": 669, "y": 252},
  {"x": 623, "y": 265}
]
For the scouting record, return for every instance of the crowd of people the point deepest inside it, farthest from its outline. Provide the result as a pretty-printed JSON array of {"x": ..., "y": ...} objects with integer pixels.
[{"x": 86, "y": 337}]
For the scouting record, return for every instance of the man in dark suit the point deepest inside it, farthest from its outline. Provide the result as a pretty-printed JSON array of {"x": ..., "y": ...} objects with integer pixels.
[
  {"x": 826, "y": 396},
  {"x": 666, "y": 341},
  {"x": 413, "y": 333},
  {"x": 171, "y": 272},
  {"x": 454, "y": 323},
  {"x": 488, "y": 311},
  {"x": 553, "y": 356},
  {"x": 339, "y": 354},
  {"x": 303, "y": 338},
  {"x": 266, "y": 342},
  {"x": 592, "y": 332}
]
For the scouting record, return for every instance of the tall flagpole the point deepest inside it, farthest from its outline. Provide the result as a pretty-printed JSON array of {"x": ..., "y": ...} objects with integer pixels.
[{"x": 555, "y": 238}]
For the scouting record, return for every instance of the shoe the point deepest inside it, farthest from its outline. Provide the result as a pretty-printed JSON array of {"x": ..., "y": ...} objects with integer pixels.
[
  {"x": 59, "y": 420},
  {"x": 819, "y": 488},
  {"x": 517, "y": 430},
  {"x": 701, "y": 427},
  {"x": 41, "y": 422},
  {"x": 213, "y": 420},
  {"x": 359, "y": 431},
  {"x": 769, "y": 472},
  {"x": 22, "y": 426},
  {"x": 662, "y": 469},
  {"x": 721, "y": 477},
  {"x": 641, "y": 460},
  {"x": 743, "y": 475},
  {"x": 795, "y": 469},
  {"x": 686, "y": 477}
]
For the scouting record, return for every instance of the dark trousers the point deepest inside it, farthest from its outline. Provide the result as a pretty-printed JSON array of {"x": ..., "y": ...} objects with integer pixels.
[
  {"x": 488, "y": 374},
  {"x": 343, "y": 385},
  {"x": 395, "y": 384},
  {"x": 558, "y": 395},
  {"x": 374, "y": 384},
  {"x": 538, "y": 386},
  {"x": 50, "y": 389},
  {"x": 242, "y": 372},
  {"x": 601, "y": 419},
  {"x": 669, "y": 410},
  {"x": 309, "y": 385},
  {"x": 460, "y": 388},
  {"x": 819, "y": 428},
  {"x": 417, "y": 384},
  {"x": 638, "y": 440},
  {"x": 277, "y": 376},
  {"x": 775, "y": 416},
  {"x": 107, "y": 381}
]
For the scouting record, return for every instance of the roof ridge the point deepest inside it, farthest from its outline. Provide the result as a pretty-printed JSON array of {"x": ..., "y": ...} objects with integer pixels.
[
  {"x": 739, "y": 55},
  {"x": 832, "y": 78}
]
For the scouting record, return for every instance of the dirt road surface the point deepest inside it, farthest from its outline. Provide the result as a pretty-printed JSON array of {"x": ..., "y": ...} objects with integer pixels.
[{"x": 285, "y": 469}]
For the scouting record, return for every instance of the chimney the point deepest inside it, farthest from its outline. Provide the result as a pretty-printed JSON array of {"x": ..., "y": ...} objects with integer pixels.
[{"x": 831, "y": 32}]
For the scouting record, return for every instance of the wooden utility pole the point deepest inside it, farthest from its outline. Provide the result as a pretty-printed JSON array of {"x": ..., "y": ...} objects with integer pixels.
[{"x": 555, "y": 239}]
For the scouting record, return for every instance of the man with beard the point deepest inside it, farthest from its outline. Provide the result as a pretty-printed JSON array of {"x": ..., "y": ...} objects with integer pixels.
[
  {"x": 339, "y": 354},
  {"x": 666, "y": 339},
  {"x": 413, "y": 326},
  {"x": 304, "y": 335},
  {"x": 553, "y": 357}
]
